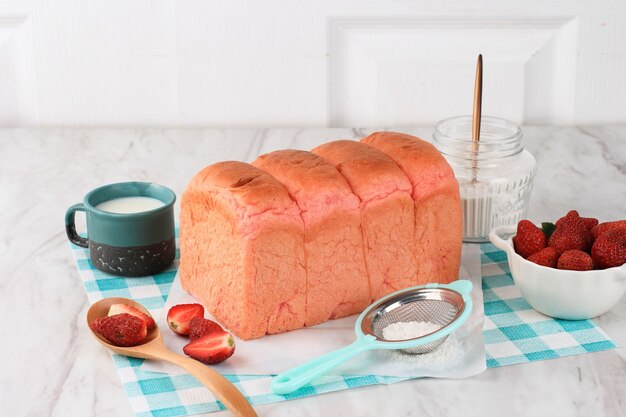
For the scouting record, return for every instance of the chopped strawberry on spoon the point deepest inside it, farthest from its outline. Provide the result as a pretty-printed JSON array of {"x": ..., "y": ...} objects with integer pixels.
[
  {"x": 121, "y": 329},
  {"x": 125, "y": 308}
]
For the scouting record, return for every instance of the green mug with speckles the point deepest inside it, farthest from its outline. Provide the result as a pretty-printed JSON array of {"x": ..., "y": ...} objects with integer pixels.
[{"x": 133, "y": 242}]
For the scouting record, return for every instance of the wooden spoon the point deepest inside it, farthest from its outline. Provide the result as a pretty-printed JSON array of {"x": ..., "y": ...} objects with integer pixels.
[{"x": 154, "y": 348}]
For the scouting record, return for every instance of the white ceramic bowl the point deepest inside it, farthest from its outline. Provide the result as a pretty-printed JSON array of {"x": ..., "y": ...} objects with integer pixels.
[{"x": 570, "y": 295}]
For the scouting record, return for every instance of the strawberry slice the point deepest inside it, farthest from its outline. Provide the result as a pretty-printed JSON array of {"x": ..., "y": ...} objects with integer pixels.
[
  {"x": 124, "y": 308},
  {"x": 201, "y": 327},
  {"x": 179, "y": 317},
  {"x": 121, "y": 329},
  {"x": 213, "y": 348}
]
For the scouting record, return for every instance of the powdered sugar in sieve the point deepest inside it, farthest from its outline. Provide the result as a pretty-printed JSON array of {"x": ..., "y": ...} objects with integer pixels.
[{"x": 403, "y": 330}]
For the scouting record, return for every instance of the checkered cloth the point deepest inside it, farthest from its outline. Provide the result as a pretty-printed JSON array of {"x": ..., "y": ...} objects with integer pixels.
[{"x": 513, "y": 332}]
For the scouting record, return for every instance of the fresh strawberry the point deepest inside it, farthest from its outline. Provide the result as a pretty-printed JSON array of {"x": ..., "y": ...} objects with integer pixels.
[
  {"x": 213, "y": 348},
  {"x": 121, "y": 329},
  {"x": 125, "y": 308},
  {"x": 603, "y": 227},
  {"x": 570, "y": 233},
  {"x": 545, "y": 257},
  {"x": 575, "y": 260},
  {"x": 529, "y": 239},
  {"x": 572, "y": 216},
  {"x": 180, "y": 316},
  {"x": 609, "y": 249},
  {"x": 589, "y": 222},
  {"x": 200, "y": 327}
]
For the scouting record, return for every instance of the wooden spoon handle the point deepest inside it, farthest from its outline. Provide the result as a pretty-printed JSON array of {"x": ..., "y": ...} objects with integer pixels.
[{"x": 223, "y": 389}]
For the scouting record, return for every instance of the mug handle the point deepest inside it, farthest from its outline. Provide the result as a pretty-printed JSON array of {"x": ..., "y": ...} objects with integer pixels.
[{"x": 70, "y": 225}]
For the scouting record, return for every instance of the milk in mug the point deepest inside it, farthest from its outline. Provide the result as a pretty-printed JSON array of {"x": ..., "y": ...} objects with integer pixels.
[{"x": 126, "y": 205}]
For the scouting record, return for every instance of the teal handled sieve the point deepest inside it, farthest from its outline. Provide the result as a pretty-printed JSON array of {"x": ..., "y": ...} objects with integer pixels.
[{"x": 446, "y": 305}]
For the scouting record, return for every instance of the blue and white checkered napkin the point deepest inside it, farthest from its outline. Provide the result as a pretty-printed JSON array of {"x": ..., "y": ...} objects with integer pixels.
[{"x": 513, "y": 333}]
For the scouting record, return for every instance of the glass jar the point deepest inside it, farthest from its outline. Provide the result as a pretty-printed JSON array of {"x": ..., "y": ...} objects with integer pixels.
[{"x": 495, "y": 174}]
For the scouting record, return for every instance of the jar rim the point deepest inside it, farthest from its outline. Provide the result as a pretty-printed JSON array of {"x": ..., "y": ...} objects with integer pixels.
[{"x": 490, "y": 120}]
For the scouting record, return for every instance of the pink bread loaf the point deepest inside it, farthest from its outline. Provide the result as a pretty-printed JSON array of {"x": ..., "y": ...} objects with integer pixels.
[
  {"x": 437, "y": 203},
  {"x": 337, "y": 283},
  {"x": 387, "y": 212},
  {"x": 307, "y": 238},
  {"x": 242, "y": 249}
]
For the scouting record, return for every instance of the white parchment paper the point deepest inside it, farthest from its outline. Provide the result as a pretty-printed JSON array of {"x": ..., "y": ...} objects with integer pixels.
[{"x": 461, "y": 356}]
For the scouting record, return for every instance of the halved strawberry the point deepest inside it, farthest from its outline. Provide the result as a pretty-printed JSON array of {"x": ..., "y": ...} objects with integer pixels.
[
  {"x": 124, "y": 308},
  {"x": 211, "y": 349},
  {"x": 179, "y": 317},
  {"x": 199, "y": 327}
]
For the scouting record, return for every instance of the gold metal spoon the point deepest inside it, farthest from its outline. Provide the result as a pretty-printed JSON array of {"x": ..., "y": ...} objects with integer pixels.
[
  {"x": 477, "y": 115},
  {"x": 154, "y": 348},
  {"x": 478, "y": 99}
]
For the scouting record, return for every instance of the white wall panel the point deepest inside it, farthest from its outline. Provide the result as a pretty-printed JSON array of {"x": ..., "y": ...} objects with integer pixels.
[
  {"x": 18, "y": 79},
  {"x": 106, "y": 62},
  {"x": 252, "y": 63},
  {"x": 293, "y": 63},
  {"x": 399, "y": 71}
]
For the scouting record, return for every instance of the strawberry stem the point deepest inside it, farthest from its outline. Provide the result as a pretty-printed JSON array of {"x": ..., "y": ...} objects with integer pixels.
[{"x": 548, "y": 228}]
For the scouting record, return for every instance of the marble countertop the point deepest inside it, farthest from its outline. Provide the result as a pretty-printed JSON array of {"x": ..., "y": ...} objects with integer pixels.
[{"x": 50, "y": 366}]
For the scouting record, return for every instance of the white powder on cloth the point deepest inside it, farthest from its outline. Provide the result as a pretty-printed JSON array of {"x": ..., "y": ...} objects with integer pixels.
[{"x": 409, "y": 329}]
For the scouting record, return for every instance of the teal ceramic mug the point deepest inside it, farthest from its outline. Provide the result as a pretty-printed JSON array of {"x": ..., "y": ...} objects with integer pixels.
[{"x": 130, "y": 244}]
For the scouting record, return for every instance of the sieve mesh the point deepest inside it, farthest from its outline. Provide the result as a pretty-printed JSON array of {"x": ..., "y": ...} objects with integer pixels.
[{"x": 432, "y": 305}]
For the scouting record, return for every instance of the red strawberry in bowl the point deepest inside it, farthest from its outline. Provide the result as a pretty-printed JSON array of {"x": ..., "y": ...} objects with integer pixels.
[
  {"x": 609, "y": 249},
  {"x": 529, "y": 239},
  {"x": 212, "y": 348},
  {"x": 573, "y": 216},
  {"x": 179, "y": 317},
  {"x": 575, "y": 260},
  {"x": 589, "y": 222},
  {"x": 545, "y": 257},
  {"x": 571, "y": 233},
  {"x": 606, "y": 226}
]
